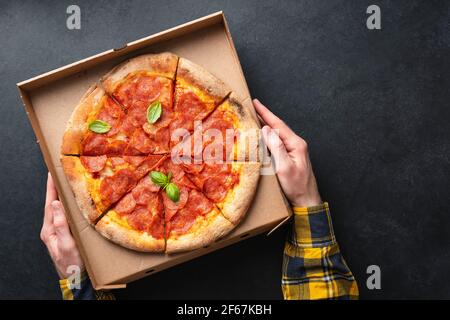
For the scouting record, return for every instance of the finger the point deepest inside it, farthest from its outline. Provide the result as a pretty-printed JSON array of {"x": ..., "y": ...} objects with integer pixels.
[
  {"x": 47, "y": 226},
  {"x": 277, "y": 149},
  {"x": 286, "y": 134},
  {"x": 51, "y": 194},
  {"x": 65, "y": 239}
]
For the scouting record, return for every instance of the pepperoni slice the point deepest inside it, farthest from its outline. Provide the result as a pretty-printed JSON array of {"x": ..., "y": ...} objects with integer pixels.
[
  {"x": 144, "y": 191},
  {"x": 162, "y": 141},
  {"x": 150, "y": 129},
  {"x": 94, "y": 144},
  {"x": 216, "y": 168},
  {"x": 149, "y": 185},
  {"x": 198, "y": 203},
  {"x": 169, "y": 214},
  {"x": 113, "y": 108},
  {"x": 134, "y": 160},
  {"x": 181, "y": 222},
  {"x": 94, "y": 164},
  {"x": 148, "y": 164},
  {"x": 140, "y": 89},
  {"x": 182, "y": 121},
  {"x": 137, "y": 116},
  {"x": 171, "y": 207},
  {"x": 142, "y": 142},
  {"x": 148, "y": 218},
  {"x": 127, "y": 126},
  {"x": 178, "y": 175},
  {"x": 114, "y": 187},
  {"x": 117, "y": 161},
  {"x": 190, "y": 101},
  {"x": 140, "y": 219},
  {"x": 157, "y": 228},
  {"x": 147, "y": 88},
  {"x": 141, "y": 195},
  {"x": 126, "y": 205},
  {"x": 106, "y": 116},
  {"x": 193, "y": 167},
  {"x": 215, "y": 189},
  {"x": 116, "y": 147},
  {"x": 198, "y": 180}
]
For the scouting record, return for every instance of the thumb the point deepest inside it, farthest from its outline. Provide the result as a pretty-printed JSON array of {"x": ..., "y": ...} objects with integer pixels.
[
  {"x": 60, "y": 223},
  {"x": 276, "y": 147}
]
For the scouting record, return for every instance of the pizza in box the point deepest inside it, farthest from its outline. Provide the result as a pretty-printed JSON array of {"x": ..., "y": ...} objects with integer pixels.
[{"x": 161, "y": 155}]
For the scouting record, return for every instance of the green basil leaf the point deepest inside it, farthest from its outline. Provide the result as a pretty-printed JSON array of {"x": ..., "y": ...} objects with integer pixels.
[
  {"x": 173, "y": 192},
  {"x": 159, "y": 178},
  {"x": 99, "y": 126},
  {"x": 154, "y": 112}
]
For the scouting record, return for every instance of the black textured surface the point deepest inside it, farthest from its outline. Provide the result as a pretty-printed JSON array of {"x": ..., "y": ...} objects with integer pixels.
[{"x": 373, "y": 105}]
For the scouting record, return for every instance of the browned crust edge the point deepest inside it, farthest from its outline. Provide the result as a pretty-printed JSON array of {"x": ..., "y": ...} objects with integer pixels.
[
  {"x": 129, "y": 238},
  {"x": 203, "y": 79},
  {"x": 73, "y": 169},
  {"x": 205, "y": 232},
  {"x": 162, "y": 64},
  {"x": 236, "y": 204},
  {"x": 77, "y": 125}
]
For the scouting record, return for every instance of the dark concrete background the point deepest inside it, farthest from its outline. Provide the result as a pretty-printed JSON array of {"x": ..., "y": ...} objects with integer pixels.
[{"x": 373, "y": 105}]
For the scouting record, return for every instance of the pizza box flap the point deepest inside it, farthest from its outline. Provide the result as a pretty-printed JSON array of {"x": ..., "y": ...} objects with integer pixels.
[{"x": 49, "y": 100}]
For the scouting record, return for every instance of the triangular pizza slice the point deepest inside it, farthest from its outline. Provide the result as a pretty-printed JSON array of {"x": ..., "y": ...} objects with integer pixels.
[
  {"x": 137, "y": 220},
  {"x": 100, "y": 181},
  {"x": 144, "y": 87},
  {"x": 197, "y": 94},
  {"x": 95, "y": 127},
  {"x": 230, "y": 186},
  {"x": 193, "y": 221},
  {"x": 229, "y": 133}
]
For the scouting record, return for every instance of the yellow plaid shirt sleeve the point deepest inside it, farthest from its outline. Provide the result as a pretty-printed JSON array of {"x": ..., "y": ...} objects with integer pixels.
[
  {"x": 313, "y": 267},
  {"x": 82, "y": 290}
]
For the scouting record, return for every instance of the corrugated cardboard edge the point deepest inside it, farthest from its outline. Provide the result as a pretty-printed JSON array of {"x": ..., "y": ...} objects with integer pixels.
[{"x": 73, "y": 68}]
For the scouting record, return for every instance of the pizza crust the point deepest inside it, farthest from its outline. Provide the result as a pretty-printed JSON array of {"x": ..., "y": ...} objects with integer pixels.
[
  {"x": 248, "y": 148},
  {"x": 75, "y": 174},
  {"x": 204, "y": 231},
  {"x": 162, "y": 64},
  {"x": 203, "y": 79},
  {"x": 112, "y": 227},
  {"x": 239, "y": 198},
  {"x": 77, "y": 125}
]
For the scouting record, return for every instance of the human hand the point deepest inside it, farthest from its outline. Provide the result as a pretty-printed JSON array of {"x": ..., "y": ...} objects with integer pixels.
[
  {"x": 292, "y": 163},
  {"x": 56, "y": 235}
]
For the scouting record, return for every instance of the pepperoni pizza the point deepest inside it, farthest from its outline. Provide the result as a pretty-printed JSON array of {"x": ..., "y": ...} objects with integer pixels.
[{"x": 131, "y": 155}]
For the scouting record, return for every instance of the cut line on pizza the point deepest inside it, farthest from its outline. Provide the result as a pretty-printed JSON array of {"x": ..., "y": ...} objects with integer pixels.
[{"x": 161, "y": 155}]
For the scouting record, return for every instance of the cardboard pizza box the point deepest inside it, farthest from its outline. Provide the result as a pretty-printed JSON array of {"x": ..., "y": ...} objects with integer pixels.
[{"x": 50, "y": 98}]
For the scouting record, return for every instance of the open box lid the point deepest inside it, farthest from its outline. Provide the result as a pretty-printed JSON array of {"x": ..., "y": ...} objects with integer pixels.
[{"x": 49, "y": 100}]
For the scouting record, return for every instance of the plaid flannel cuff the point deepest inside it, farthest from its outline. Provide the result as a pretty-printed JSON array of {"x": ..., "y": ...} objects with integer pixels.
[
  {"x": 74, "y": 289},
  {"x": 316, "y": 273},
  {"x": 312, "y": 227},
  {"x": 82, "y": 290}
]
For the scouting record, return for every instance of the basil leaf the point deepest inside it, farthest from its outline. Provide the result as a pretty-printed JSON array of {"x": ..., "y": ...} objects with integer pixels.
[
  {"x": 99, "y": 126},
  {"x": 159, "y": 178},
  {"x": 169, "y": 176},
  {"x": 173, "y": 192},
  {"x": 154, "y": 112}
]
